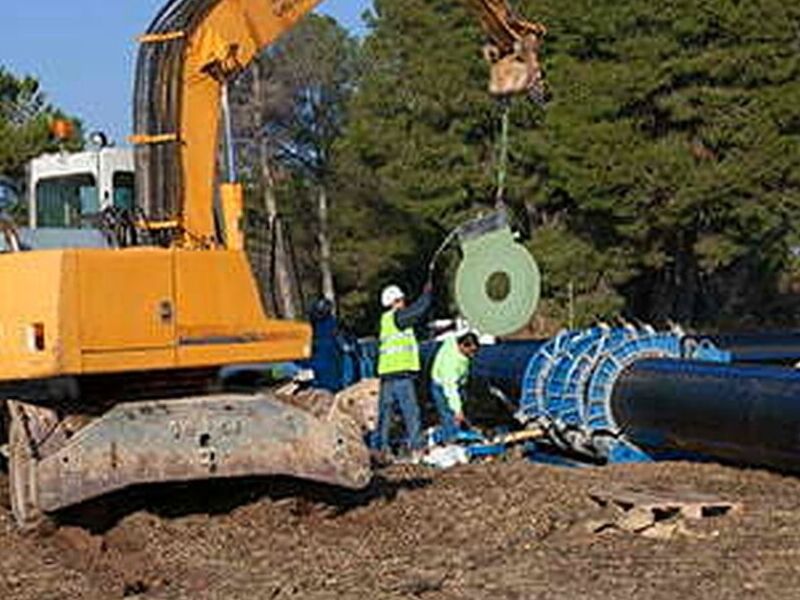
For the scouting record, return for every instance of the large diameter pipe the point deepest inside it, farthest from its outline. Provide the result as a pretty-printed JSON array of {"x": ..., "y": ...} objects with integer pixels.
[
  {"x": 774, "y": 347},
  {"x": 744, "y": 414},
  {"x": 503, "y": 365}
]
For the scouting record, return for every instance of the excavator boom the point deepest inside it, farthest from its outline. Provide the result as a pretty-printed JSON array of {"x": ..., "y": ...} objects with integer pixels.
[{"x": 194, "y": 47}]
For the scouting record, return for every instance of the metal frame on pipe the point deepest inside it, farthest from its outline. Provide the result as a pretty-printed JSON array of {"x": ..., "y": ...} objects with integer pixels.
[{"x": 567, "y": 384}]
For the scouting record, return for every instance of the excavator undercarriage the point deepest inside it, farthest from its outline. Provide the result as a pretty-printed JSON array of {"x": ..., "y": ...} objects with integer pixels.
[{"x": 62, "y": 457}]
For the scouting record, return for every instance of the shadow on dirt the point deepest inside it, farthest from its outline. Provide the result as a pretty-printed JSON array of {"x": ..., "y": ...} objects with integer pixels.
[{"x": 223, "y": 496}]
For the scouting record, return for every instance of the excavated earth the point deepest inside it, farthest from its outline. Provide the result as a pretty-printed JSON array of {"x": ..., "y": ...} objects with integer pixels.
[{"x": 505, "y": 530}]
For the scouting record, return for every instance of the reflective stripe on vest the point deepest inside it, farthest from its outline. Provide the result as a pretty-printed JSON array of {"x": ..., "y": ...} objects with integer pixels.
[{"x": 398, "y": 352}]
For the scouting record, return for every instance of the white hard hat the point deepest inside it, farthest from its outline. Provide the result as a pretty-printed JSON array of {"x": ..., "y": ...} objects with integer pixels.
[
  {"x": 463, "y": 328},
  {"x": 390, "y": 295},
  {"x": 462, "y": 331}
]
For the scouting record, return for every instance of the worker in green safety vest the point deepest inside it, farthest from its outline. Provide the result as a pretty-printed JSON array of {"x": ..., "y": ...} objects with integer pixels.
[
  {"x": 399, "y": 365},
  {"x": 448, "y": 376}
]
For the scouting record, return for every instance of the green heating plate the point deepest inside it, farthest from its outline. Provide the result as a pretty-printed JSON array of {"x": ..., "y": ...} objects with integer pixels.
[{"x": 498, "y": 281}]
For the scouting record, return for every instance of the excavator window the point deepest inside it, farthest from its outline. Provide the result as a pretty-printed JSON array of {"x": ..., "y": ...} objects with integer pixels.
[
  {"x": 124, "y": 195},
  {"x": 67, "y": 202}
]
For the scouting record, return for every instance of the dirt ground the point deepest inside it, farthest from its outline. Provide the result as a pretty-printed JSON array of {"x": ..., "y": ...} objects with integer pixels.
[{"x": 502, "y": 531}]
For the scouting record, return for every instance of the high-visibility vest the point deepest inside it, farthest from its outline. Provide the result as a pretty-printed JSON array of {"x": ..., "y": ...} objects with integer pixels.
[
  {"x": 450, "y": 370},
  {"x": 398, "y": 351}
]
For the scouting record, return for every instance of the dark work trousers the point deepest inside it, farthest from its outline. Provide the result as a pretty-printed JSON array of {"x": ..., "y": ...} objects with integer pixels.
[
  {"x": 448, "y": 428},
  {"x": 398, "y": 391}
]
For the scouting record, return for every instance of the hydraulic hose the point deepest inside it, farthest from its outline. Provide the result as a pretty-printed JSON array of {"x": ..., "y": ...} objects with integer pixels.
[{"x": 156, "y": 108}]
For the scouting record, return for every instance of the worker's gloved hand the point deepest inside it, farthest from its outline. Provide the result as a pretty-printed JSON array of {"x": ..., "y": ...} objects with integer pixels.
[{"x": 428, "y": 287}]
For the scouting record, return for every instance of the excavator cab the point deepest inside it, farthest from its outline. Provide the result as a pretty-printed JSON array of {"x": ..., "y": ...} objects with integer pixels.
[{"x": 70, "y": 190}]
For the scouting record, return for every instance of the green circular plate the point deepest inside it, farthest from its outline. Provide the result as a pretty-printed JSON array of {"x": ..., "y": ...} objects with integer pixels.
[{"x": 497, "y": 289}]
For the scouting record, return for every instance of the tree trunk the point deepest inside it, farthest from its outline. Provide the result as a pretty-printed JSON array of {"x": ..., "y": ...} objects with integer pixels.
[
  {"x": 282, "y": 277},
  {"x": 324, "y": 241}
]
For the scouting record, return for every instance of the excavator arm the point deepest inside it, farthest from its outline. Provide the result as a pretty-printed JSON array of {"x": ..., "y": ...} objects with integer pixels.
[{"x": 190, "y": 52}]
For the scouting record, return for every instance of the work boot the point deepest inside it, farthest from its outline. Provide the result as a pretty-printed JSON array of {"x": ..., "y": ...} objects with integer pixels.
[
  {"x": 380, "y": 458},
  {"x": 410, "y": 457},
  {"x": 417, "y": 457}
]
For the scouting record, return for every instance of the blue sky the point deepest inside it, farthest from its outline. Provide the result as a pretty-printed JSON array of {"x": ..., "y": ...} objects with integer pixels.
[{"x": 83, "y": 51}]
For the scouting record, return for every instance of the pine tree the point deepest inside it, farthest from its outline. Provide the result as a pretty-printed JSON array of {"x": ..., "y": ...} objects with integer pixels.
[
  {"x": 672, "y": 150},
  {"x": 662, "y": 181},
  {"x": 25, "y": 118}
]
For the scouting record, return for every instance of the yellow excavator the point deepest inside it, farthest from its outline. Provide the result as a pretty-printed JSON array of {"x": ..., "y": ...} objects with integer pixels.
[{"x": 108, "y": 356}]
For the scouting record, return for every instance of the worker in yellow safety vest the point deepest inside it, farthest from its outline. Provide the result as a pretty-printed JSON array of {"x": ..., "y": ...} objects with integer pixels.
[{"x": 399, "y": 365}]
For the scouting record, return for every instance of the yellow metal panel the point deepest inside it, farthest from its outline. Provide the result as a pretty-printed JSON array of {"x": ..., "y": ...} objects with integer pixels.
[
  {"x": 128, "y": 360},
  {"x": 83, "y": 311},
  {"x": 69, "y": 333},
  {"x": 232, "y": 200},
  {"x": 126, "y": 299},
  {"x": 231, "y": 354},
  {"x": 280, "y": 341},
  {"x": 216, "y": 296},
  {"x": 31, "y": 287},
  {"x": 232, "y": 33},
  {"x": 220, "y": 317}
]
